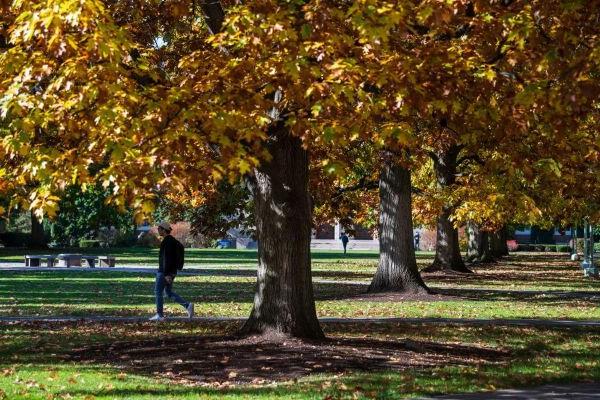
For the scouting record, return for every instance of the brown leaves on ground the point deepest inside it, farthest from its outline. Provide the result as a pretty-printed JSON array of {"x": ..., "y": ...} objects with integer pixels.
[
  {"x": 401, "y": 296},
  {"x": 539, "y": 268},
  {"x": 225, "y": 361}
]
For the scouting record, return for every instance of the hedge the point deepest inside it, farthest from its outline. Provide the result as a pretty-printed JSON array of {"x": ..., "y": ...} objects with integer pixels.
[{"x": 87, "y": 243}]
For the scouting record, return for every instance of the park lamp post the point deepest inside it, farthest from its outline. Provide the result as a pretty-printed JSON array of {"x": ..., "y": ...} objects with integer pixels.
[{"x": 588, "y": 265}]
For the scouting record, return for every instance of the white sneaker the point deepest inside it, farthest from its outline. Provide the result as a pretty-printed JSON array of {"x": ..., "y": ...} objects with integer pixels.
[
  {"x": 157, "y": 318},
  {"x": 190, "y": 310}
]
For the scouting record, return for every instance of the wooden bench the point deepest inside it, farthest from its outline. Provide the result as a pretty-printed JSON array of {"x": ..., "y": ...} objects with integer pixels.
[{"x": 36, "y": 260}]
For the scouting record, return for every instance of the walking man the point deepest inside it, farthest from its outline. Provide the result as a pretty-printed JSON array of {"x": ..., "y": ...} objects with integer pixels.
[
  {"x": 345, "y": 240},
  {"x": 417, "y": 240},
  {"x": 170, "y": 259}
]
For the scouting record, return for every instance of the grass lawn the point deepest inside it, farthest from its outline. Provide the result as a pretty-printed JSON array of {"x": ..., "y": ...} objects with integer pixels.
[
  {"x": 183, "y": 361},
  {"x": 523, "y": 286},
  {"x": 178, "y": 360}
]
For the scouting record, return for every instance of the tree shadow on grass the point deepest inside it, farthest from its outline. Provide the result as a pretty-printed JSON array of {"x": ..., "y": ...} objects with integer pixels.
[
  {"x": 540, "y": 297},
  {"x": 522, "y": 270},
  {"x": 219, "y": 359},
  {"x": 123, "y": 297}
]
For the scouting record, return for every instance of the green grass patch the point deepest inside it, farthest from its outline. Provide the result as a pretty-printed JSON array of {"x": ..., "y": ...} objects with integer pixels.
[
  {"x": 33, "y": 363},
  {"x": 83, "y": 293}
]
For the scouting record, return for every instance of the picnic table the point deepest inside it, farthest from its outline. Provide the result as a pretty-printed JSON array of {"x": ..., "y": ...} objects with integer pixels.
[
  {"x": 70, "y": 260},
  {"x": 103, "y": 261},
  {"x": 36, "y": 260}
]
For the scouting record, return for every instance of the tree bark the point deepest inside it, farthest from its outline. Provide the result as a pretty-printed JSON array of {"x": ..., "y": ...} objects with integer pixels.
[
  {"x": 38, "y": 238},
  {"x": 397, "y": 270},
  {"x": 499, "y": 248},
  {"x": 479, "y": 245},
  {"x": 474, "y": 236},
  {"x": 284, "y": 301},
  {"x": 447, "y": 249},
  {"x": 503, "y": 244}
]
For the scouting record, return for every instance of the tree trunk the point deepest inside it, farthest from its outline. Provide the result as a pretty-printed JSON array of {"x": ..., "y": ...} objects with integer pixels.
[
  {"x": 498, "y": 243},
  {"x": 38, "y": 238},
  {"x": 284, "y": 302},
  {"x": 503, "y": 244},
  {"x": 474, "y": 236},
  {"x": 479, "y": 244},
  {"x": 447, "y": 249},
  {"x": 397, "y": 270}
]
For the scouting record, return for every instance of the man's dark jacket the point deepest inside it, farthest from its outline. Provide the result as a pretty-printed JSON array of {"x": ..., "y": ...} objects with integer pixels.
[{"x": 168, "y": 257}]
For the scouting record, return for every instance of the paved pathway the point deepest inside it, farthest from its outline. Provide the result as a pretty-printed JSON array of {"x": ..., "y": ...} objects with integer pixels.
[
  {"x": 434, "y": 321},
  {"x": 582, "y": 391}
]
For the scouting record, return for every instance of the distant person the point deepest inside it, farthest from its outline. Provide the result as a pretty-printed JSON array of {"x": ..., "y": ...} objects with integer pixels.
[
  {"x": 417, "y": 240},
  {"x": 170, "y": 259},
  {"x": 345, "y": 240}
]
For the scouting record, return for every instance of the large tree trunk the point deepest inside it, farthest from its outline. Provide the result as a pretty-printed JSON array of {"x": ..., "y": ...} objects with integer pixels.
[
  {"x": 38, "y": 238},
  {"x": 498, "y": 244},
  {"x": 397, "y": 268},
  {"x": 504, "y": 244},
  {"x": 447, "y": 249},
  {"x": 478, "y": 244},
  {"x": 284, "y": 302}
]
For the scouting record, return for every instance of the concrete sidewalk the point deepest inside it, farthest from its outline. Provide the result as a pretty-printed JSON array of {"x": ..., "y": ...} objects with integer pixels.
[
  {"x": 584, "y": 391},
  {"x": 434, "y": 321}
]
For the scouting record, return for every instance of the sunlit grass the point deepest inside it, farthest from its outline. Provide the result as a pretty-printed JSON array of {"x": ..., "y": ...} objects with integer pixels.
[{"x": 32, "y": 365}]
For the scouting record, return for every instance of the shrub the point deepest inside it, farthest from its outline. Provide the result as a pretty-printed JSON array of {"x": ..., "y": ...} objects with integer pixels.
[
  {"x": 550, "y": 248},
  {"x": 15, "y": 239},
  {"x": 107, "y": 236},
  {"x": 524, "y": 247},
  {"x": 563, "y": 248},
  {"x": 512, "y": 245},
  {"x": 539, "y": 247},
  {"x": 182, "y": 232},
  {"x": 148, "y": 239},
  {"x": 89, "y": 243}
]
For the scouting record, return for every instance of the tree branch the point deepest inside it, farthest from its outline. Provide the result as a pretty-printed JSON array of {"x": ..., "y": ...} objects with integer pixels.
[
  {"x": 433, "y": 156},
  {"x": 471, "y": 157},
  {"x": 363, "y": 183},
  {"x": 416, "y": 190},
  {"x": 213, "y": 14}
]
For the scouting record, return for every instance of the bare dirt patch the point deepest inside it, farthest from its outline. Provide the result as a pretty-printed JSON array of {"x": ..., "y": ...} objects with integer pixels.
[{"x": 225, "y": 361}]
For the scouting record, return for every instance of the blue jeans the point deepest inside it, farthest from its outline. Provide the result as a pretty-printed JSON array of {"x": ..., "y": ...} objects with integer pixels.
[{"x": 162, "y": 286}]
